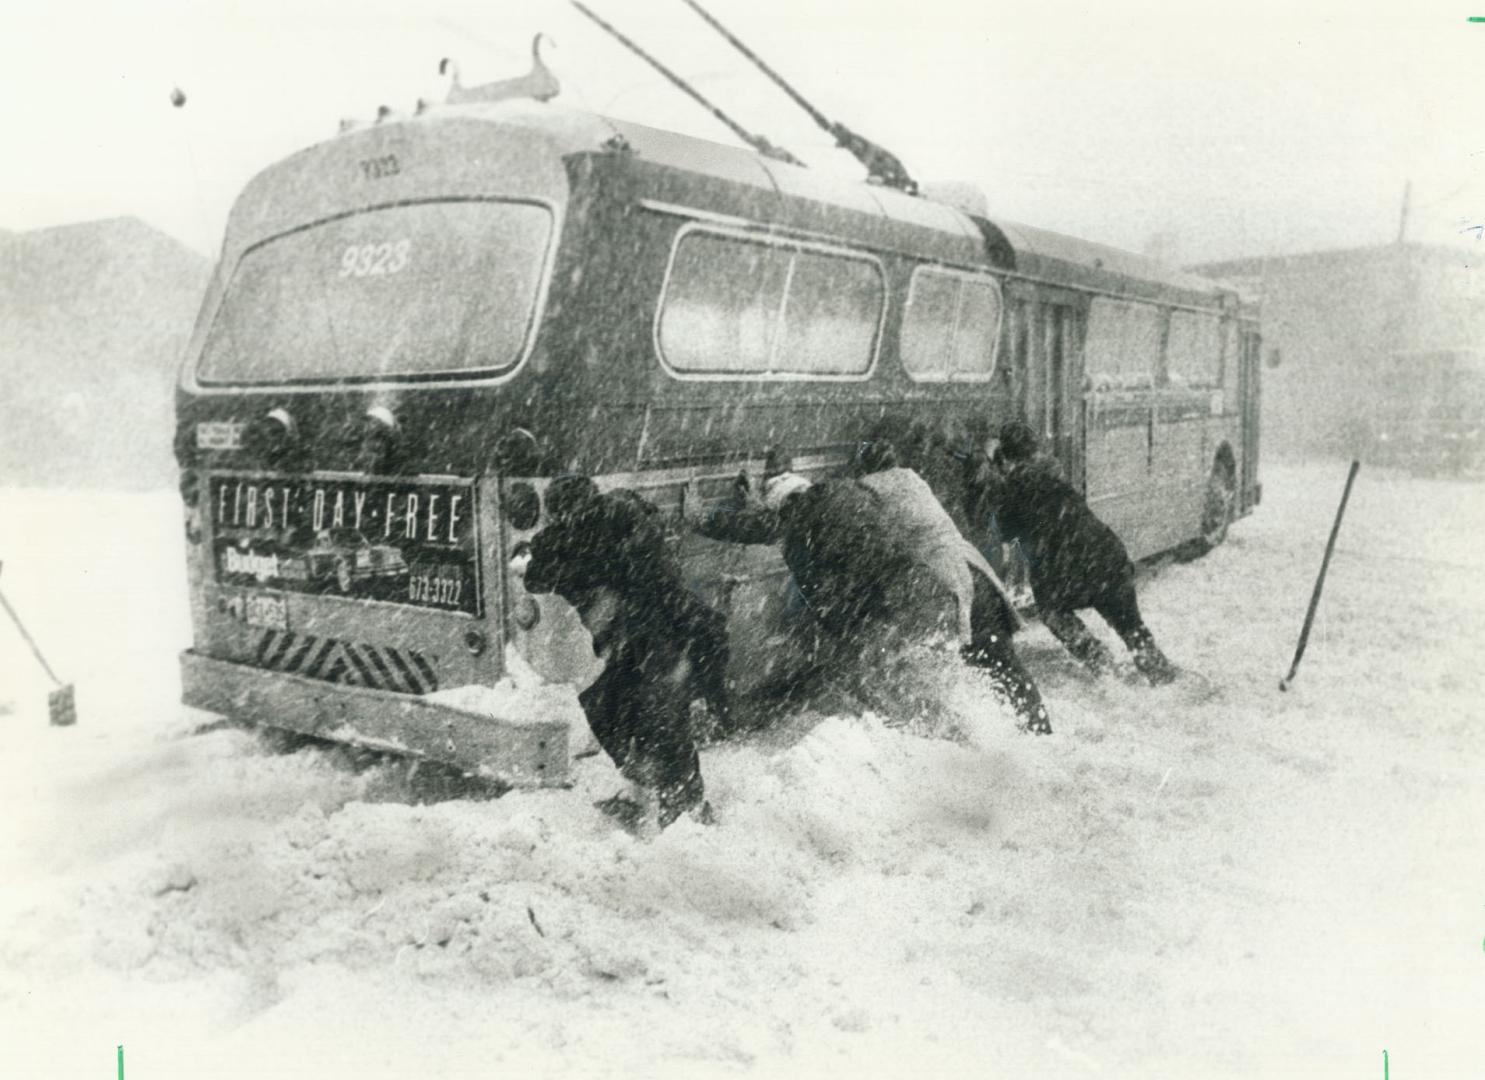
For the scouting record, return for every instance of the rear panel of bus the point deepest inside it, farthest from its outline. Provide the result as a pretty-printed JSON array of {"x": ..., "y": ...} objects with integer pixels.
[
  {"x": 374, "y": 581},
  {"x": 347, "y": 514}
]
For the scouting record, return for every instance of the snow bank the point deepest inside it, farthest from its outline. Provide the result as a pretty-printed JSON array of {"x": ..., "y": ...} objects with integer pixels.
[
  {"x": 521, "y": 695},
  {"x": 1205, "y": 879}
]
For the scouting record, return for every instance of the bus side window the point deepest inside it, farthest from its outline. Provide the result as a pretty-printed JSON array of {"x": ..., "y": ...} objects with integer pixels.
[
  {"x": 1193, "y": 352},
  {"x": 928, "y": 325},
  {"x": 951, "y": 327},
  {"x": 723, "y": 304},
  {"x": 831, "y": 316},
  {"x": 739, "y": 306},
  {"x": 1123, "y": 344},
  {"x": 977, "y": 331}
]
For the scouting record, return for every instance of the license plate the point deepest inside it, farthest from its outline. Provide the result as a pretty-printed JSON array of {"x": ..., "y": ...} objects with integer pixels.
[{"x": 268, "y": 612}]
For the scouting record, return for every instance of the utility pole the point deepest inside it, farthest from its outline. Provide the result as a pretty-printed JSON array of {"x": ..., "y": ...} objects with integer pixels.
[{"x": 1402, "y": 223}]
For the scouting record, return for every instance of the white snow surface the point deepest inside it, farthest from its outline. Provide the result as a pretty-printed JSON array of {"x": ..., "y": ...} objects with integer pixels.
[
  {"x": 1214, "y": 878},
  {"x": 522, "y": 695}
]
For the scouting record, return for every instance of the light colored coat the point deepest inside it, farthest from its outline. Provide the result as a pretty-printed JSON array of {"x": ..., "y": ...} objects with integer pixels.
[{"x": 922, "y": 530}]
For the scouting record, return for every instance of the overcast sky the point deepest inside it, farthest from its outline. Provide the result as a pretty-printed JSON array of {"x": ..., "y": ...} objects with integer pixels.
[{"x": 1232, "y": 129}]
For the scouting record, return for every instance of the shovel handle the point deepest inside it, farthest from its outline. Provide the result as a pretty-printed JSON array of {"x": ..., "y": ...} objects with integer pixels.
[
  {"x": 34, "y": 650},
  {"x": 1335, "y": 528}
]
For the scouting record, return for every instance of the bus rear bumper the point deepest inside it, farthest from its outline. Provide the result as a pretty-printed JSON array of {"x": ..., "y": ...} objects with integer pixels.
[{"x": 519, "y": 751}]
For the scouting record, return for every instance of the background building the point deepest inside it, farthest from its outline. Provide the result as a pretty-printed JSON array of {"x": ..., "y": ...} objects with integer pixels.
[
  {"x": 1339, "y": 320},
  {"x": 94, "y": 316}
]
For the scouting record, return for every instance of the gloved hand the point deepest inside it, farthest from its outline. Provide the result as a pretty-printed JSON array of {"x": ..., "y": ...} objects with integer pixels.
[{"x": 693, "y": 508}]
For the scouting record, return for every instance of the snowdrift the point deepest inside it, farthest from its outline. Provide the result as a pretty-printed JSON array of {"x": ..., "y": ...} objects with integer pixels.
[{"x": 1206, "y": 879}]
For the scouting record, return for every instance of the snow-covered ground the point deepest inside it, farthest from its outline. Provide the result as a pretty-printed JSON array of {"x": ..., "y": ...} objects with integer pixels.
[{"x": 1177, "y": 883}]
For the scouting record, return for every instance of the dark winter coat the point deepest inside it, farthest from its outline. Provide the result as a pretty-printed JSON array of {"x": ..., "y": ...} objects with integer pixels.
[
  {"x": 877, "y": 548},
  {"x": 611, "y": 541},
  {"x": 607, "y": 556},
  {"x": 1075, "y": 560},
  {"x": 829, "y": 542}
]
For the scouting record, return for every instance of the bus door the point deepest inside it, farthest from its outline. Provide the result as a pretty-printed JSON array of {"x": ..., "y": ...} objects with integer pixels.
[
  {"x": 1014, "y": 368},
  {"x": 1046, "y": 349},
  {"x": 1122, "y": 346},
  {"x": 1059, "y": 410},
  {"x": 1249, "y": 351},
  {"x": 1187, "y": 424}
]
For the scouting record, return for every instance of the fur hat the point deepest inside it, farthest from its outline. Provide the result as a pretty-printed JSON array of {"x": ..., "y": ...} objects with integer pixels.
[
  {"x": 569, "y": 492},
  {"x": 1018, "y": 442},
  {"x": 874, "y": 455},
  {"x": 777, "y": 490}
]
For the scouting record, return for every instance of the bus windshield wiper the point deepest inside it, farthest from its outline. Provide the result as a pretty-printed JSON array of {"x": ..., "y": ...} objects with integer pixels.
[
  {"x": 882, "y": 166},
  {"x": 757, "y": 142}
]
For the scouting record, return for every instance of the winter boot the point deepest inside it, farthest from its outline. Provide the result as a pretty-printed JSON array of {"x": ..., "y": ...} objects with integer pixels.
[
  {"x": 1153, "y": 665},
  {"x": 677, "y": 799}
]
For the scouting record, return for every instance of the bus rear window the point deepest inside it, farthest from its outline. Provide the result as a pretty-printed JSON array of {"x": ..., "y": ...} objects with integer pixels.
[{"x": 415, "y": 290}]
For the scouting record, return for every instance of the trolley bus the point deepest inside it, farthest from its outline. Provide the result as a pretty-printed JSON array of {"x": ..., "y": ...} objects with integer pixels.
[{"x": 414, "y": 326}]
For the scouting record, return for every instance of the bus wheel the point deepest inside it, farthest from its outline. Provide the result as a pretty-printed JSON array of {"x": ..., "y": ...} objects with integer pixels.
[{"x": 1218, "y": 506}]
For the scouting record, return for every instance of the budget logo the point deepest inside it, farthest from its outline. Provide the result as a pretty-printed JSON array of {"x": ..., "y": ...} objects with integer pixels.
[{"x": 250, "y": 563}]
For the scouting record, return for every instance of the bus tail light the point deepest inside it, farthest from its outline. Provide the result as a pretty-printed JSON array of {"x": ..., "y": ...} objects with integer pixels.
[
  {"x": 376, "y": 441},
  {"x": 272, "y": 438},
  {"x": 517, "y": 453},
  {"x": 522, "y": 506}
]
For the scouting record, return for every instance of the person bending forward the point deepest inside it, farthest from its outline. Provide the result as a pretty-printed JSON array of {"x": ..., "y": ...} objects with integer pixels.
[
  {"x": 877, "y": 562},
  {"x": 662, "y": 647},
  {"x": 1075, "y": 560}
]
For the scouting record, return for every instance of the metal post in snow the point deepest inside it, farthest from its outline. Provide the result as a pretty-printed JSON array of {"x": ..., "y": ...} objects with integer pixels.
[{"x": 1304, "y": 634}]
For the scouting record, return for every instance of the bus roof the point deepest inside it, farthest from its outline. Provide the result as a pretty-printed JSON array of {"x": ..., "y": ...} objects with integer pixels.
[
  {"x": 1047, "y": 254},
  {"x": 1035, "y": 252},
  {"x": 571, "y": 131}
]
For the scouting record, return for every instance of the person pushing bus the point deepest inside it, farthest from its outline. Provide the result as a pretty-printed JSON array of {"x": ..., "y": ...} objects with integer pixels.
[
  {"x": 1075, "y": 560},
  {"x": 663, "y": 648},
  {"x": 878, "y": 563}
]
